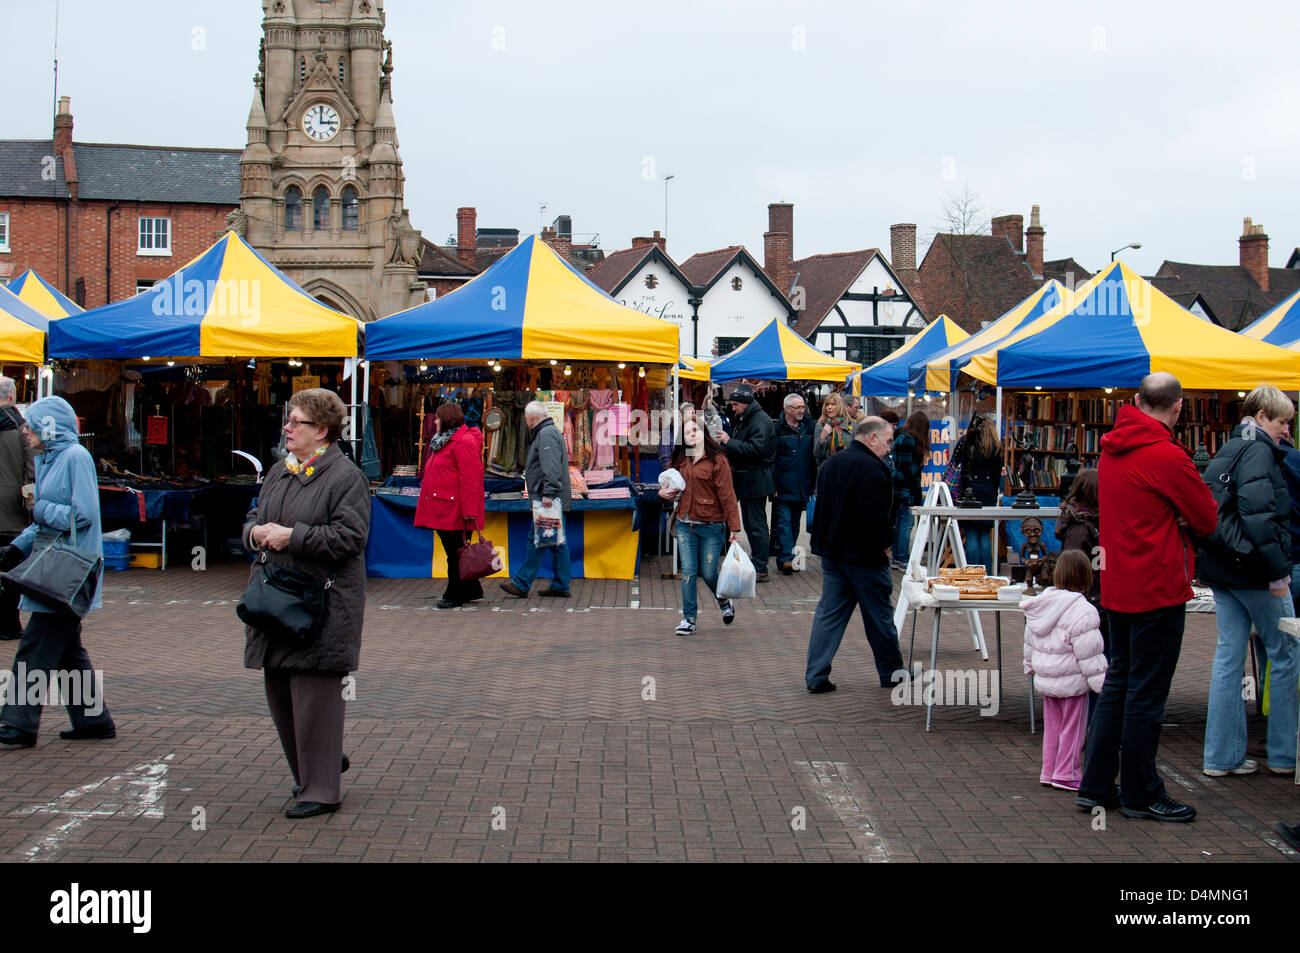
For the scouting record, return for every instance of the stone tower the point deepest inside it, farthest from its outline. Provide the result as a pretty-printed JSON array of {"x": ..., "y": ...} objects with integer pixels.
[{"x": 321, "y": 179}]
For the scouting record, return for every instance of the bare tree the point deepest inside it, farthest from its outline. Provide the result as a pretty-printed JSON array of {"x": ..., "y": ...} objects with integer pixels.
[{"x": 962, "y": 213}]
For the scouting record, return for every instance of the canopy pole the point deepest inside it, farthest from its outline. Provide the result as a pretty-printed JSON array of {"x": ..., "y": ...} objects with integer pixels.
[
  {"x": 675, "y": 422},
  {"x": 356, "y": 450},
  {"x": 997, "y": 419}
]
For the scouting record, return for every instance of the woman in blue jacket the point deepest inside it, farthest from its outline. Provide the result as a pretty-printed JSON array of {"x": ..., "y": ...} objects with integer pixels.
[{"x": 66, "y": 489}]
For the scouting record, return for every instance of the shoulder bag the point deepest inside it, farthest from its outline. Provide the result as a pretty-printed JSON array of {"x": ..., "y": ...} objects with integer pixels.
[
  {"x": 285, "y": 603},
  {"x": 57, "y": 575},
  {"x": 1229, "y": 537}
]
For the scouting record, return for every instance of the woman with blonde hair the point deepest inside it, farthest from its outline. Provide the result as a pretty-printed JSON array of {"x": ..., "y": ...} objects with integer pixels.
[{"x": 834, "y": 430}]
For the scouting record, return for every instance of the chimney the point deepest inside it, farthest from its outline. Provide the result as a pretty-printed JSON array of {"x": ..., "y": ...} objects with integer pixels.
[
  {"x": 1010, "y": 228},
  {"x": 641, "y": 241},
  {"x": 902, "y": 248},
  {"x": 466, "y": 235},
  {"x": 63, "y": 125},
  {"x": 561, "y": 243},
  {"x": 1254, "y": 252},
  {"x": 778, "y": 244},
  {"x": 1034, "y": 244}
]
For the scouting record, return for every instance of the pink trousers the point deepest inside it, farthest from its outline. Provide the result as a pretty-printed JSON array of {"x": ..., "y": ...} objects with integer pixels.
[{"x": 1064, "y": 722}]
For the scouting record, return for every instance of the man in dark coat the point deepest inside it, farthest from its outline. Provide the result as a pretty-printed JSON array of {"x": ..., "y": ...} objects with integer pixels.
[
  {"x": 852, "y": 534},
  {"x": 794, "y": 473},
  {"x": 16, "y": 471},
  {"x": 546, "y": 475},
  {"x": 751, "y": 449}
]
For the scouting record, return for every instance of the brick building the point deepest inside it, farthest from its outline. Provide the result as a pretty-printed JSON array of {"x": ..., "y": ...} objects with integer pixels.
[{"x": 100, "y": 222}]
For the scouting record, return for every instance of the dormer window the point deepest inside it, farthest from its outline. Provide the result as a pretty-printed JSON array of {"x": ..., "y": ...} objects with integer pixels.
[
  {"x": 651, "y": 281},
  {"x": 736, "y": 283}
]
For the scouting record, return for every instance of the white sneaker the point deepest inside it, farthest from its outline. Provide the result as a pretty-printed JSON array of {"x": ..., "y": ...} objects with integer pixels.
[
  {"x": 685, "y": 627},
  {"x": 728, "y": 612},
  {"x": 1246, "y": 767}
]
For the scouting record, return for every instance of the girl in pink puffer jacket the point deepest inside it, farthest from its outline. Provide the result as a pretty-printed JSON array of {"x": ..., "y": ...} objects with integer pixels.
[{"x": 1064, "y": 653}]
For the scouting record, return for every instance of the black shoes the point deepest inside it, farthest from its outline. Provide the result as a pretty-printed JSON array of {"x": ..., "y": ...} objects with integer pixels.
[
  {"x": 303, "y": 809},
  {"x": 1165, "y": 809},
  {"x": 297, "y": 788},
  {"x": 554, "y": 592},
  {"x": 16, "y": 737},
  {"x": 822, "y": 687},
  {"x": 90, "y": 732},
  {"x": 1289, "y": 834},
  {"x": 1087, "y": 802},
  {"x": 448, "y": 604},
  {"x": 10, "y": 636}
]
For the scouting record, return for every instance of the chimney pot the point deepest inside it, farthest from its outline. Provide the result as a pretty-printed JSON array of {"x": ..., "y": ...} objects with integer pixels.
[
  {"x": 466, "y": 234},
  {"x": 902, "y": 248},
  {"x": 1253, "y": 248},
  {"x": 1034, "y": 244},
  {"x": 778, "y": 244}
]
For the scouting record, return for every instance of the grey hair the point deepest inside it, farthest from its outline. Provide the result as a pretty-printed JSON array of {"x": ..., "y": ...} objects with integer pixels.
[
  {"x": 869, "y": 425},
  {"x": 791, "y": 398},
  {"x": 8, "y": 389},
  {"x": 535, "y": 408}
]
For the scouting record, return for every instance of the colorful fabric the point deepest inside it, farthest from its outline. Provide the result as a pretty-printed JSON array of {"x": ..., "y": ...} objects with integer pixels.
[
  {"x": 778, "y": 353},
  {"x": 22, "y": 330},
  {"x": 1279, "y": 325},
  {"x": 43, "y": 296},
  {"x": 888, "y": 377}
]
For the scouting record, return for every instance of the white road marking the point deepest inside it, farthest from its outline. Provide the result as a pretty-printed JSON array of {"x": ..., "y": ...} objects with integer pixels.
[
  {"x": 1277, "y": 844},
  {"x": 832, "y": 780},
  {"x": 1177, "y": 778},
  {"x": 139, "y": 793}
]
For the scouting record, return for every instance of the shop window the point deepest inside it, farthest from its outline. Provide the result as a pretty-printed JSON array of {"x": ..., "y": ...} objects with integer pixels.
[
  {"x": 320, "y": 209},
  {"x": 293, "y": 209},
  {"x": 349, "y": 209},
  {"x": 155, "y": 236}
]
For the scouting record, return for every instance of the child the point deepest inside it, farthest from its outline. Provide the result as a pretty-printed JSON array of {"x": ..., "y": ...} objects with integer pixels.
[{"x": 1063, "y": 651}]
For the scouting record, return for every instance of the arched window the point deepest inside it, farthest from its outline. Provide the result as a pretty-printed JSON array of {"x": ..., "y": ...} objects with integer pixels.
[
  {"x": 349, "y": 209},
  {"x": 292, "y": 209},
  {"x": 320, "y": 209}
]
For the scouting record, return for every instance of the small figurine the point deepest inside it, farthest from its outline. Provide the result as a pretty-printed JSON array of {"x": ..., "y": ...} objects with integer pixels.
[
  {"x": 1025, "y": 499},
  {"x": 1201, "y": 458},
  {"x": 1033, "y": 554}
]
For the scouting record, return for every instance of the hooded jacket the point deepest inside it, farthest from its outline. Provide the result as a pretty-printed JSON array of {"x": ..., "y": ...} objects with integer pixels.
[
  {"x": 1064, "y": 650},
  {"x": 65, "y": 484},
  {"x": 1147, "y": 481},
  {"x": 1262, "y": 517}
]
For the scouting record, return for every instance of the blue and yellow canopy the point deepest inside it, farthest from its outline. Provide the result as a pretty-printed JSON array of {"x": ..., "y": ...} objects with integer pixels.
[
  {"x": 1279, "y": 325},
  {"x": 43, "y": 296},
  {"x": 777, "y": 353},
  {"x": 1116, "y": 329},
  {"x": 888, "y": 376},
  {"x": 22, "y": 330},
  {"x": 693, "y": 368},
  {"x": 939, "y": 372},
  {"x": 530, "y": 305},
  {"x": 228, "y": 302}
]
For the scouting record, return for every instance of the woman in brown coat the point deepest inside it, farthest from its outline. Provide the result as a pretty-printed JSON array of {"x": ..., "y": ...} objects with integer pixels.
[{"x": 313, "y": 515}]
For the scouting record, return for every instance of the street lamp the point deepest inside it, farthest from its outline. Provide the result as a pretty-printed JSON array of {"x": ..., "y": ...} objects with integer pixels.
[{"x": 1129, "y": 245}]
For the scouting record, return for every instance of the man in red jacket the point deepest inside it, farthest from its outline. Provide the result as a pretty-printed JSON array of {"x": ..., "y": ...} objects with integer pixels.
[{"x": 1151, "y": 499}]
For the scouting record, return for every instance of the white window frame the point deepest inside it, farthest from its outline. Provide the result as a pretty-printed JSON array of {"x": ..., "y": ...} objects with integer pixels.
[
  {"x": 4, "y": 232},
  {"x": 141, "y": 286},
  {"x": 153, "y": 249}
]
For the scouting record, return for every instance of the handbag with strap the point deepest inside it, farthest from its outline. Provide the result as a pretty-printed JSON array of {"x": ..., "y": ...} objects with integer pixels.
[
  {"x": 477, "y": 560},
  {"x": 285, "y": 603},
  {"x": 56, "y": 574},
  {"x": 1229, "y": 538}
]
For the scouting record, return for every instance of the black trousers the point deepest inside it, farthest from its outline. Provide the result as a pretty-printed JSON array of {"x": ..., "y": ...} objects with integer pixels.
[
  {"x": 1125, "y": 729},
  {"x": 10, "y": 624},
  {"x": 52, "y": 643},
  {"x": 307, "y": 708},
  {"x": 458, "y": 591},
  {"x": 753, "y": 513}
]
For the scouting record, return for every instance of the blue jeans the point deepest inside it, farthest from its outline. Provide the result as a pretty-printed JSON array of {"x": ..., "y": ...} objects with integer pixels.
[
  {"x": 1225, "y": 723},
  {"x": 978, "y": 544},
  {"x": 844, "y": 587},
  {"x": 699, "y": 552},
  {"x": 533, "y": 562},
  {"x": 903, "y": 534},
  {"x": 785, "y": 527}
]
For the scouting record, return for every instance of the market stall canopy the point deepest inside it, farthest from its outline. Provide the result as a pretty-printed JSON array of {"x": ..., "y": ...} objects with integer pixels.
[
  {"x": 777, "y": 353},
  {"x": 1118, "y": 328},
  {"x": 888, "y": 376},
  {"x": 939, "y": 372},
  {"x": 43, "y": 296},
  {"x": 531, "y": 305},
  {"x": 1279, "y": 325},
  {"x": 693, "y": 368},
  {"x": 22, "y": 330},
  {"x": 228, "y": 302}
]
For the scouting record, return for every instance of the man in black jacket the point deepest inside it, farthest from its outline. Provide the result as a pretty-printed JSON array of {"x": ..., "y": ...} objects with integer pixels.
[
  {"x": 751, "y": 449},
  {"x": 852, "y": 534},
  {"x": 794, "y": 474}
]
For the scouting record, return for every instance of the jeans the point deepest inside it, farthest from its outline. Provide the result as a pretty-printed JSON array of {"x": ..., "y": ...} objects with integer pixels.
[
  {"x": 978, "y": 544},
  {"x": 52, "y": 643},
  {"x": 785, "y": 527},
  {"x": 753, "y": 512},
  {"x": 533, "y": 562},
  {"x": 903, "y": 534},
  {"x": 699, "y": 553},
  {"x": 1125, "y": 730},
  {"x": 844, "y": 586},
  {"x": 1225, "y": 722}
]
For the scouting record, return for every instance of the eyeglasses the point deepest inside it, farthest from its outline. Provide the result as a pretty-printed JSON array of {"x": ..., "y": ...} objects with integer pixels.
[{"x": 294, "y": 423}]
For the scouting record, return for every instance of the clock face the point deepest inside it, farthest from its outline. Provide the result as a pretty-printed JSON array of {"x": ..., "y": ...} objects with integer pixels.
[{"x": 321, "y": 122}]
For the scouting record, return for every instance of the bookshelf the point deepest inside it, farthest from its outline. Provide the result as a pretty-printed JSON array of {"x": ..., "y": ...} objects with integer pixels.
[{"x": 1059, "y": 418}]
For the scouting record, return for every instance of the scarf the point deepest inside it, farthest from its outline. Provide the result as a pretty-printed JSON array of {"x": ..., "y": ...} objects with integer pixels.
[
  {"x": 441, "y": 439},
  {"x": 306, "y": 468}
]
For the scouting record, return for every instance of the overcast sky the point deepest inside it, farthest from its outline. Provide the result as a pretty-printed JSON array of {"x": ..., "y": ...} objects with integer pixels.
[{"x": 1153, "y": 122}]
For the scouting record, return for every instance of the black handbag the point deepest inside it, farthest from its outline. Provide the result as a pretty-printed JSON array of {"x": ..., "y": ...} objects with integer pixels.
[
  {"x": 287, "y": 604},
  {"x": 56, "y": 574}
]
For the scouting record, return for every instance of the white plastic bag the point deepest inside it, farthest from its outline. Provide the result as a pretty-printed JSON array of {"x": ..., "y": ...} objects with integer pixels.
[
  {"x": 671, "y": 479},
  {"x": 548, "y": 524},
  {"x": 737, "y": 576}
]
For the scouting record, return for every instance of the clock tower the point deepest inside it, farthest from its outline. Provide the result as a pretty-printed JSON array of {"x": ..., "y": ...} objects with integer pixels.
[{"x": 321, "y": 192}]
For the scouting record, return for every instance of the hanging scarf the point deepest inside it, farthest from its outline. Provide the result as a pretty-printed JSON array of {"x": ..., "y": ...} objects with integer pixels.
[
  {"x": 306, "y": 468},
  {"x": 441, "y": 439}
]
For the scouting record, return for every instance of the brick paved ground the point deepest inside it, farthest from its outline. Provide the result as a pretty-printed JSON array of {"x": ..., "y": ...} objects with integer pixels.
[{"x": 537, "y": 709}]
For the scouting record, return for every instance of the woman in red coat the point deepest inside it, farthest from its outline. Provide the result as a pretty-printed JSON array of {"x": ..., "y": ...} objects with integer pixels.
[{"x": 451, "y": 497}]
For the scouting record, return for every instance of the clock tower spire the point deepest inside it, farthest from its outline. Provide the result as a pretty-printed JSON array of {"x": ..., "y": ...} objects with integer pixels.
[{"x": 321, "y": 178}]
